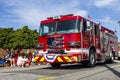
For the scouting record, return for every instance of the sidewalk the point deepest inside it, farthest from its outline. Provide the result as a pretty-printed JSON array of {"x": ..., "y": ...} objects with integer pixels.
[{"x": 33, "y": 66}]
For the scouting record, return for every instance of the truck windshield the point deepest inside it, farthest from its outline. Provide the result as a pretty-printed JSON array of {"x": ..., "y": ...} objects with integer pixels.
[
  {"x": 68, "y": 26},
  {"x": 47, "y": 29}
]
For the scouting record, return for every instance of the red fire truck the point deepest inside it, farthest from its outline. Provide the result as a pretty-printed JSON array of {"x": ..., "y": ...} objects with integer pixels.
[{"x": 75, "y": 39}]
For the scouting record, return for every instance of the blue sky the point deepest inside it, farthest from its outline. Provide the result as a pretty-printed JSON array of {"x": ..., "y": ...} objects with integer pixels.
[{"x": 17, "y": 13}]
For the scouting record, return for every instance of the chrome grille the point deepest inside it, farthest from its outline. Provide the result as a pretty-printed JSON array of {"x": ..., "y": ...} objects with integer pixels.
[{"x": 57, "y": 42}]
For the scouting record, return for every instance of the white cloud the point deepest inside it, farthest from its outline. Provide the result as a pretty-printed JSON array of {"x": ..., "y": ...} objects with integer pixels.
[
  {"x": 107, "y": 19},
  {"x": 108, "y": 22},
  {"x": 103, "y": 3},
  {"x": 83, "y": 13},
  {"x": 110, "y": 4},
  {"x": 32, "y": 11}
]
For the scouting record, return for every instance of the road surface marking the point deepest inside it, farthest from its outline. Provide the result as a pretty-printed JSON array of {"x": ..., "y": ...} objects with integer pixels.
[{"x": 46, "y": 78}]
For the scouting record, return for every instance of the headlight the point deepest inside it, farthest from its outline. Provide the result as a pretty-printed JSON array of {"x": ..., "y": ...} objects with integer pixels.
[
  {"x": 73, "y": 44},
  {"x": 40, "y": 46}
]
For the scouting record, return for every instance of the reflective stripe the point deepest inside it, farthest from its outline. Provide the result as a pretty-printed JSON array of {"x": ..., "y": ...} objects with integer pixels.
[
  {"x": 59, "y": 59},
  {"x": 77, "y": 51},
  {"x": 75, "y": 58},
  {"x": 42, "y": 59},
  {"x": 62, "y": 59},
  {"x": 84, "y": 50},
  {"x": 36, "y": 58},
  {"x": 98, "y": 50},
  {"x": 67, "y": 59}
]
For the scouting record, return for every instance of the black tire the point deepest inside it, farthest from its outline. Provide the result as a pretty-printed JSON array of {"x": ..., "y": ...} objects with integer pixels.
[
  {"x": 92, "y": 60},
  {"x": 118, "y": 58},
  {"x": 55, "y": 65},
  {"x": 112, "y": 57}
]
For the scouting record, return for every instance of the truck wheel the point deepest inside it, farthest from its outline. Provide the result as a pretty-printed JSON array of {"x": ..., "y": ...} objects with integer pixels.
[
  {"x": 118, "y": 58},
  {"x": 92, "y": 60},
  {"x": 111, "y": 60},
  {"x": 55, "y": 65}
]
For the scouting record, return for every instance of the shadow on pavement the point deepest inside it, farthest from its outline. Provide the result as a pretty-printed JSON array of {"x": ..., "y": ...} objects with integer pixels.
[
  {"x": 67, "y": 67},
  {"x": 117, "y": 73}
]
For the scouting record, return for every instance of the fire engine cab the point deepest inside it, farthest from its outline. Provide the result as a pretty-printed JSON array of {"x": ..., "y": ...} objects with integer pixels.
[{"x": 75, "y": 39}]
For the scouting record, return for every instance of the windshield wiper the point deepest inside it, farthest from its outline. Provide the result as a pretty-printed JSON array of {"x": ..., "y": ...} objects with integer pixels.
[
  {"x": 61, "y": 32},
  {"x": 51, "y": 33},
  {"x": 44, "y": 34}
]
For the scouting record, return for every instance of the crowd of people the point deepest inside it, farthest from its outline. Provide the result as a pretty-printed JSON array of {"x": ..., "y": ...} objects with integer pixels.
[{"x": 20, "y": 60}]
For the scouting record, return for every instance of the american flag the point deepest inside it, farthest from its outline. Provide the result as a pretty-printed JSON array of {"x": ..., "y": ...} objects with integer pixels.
[{"x": 89, "y": 18}]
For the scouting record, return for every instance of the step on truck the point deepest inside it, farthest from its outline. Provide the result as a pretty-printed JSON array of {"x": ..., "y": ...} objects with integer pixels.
[{"x": 74, "y": 39}]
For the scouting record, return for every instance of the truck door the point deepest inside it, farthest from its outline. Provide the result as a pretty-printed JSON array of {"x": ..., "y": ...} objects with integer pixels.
[
  {"x": 96, "y": 36},
  {"x": 86, "y": 35}
]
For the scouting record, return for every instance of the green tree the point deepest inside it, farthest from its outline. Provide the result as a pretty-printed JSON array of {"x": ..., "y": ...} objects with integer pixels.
[
  {"x": 24, "y": 38},
  {"x": 5, "y": 38}
]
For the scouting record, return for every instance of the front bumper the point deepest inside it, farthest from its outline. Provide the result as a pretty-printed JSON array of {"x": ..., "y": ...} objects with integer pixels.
[{"x": 57, "y": 58}]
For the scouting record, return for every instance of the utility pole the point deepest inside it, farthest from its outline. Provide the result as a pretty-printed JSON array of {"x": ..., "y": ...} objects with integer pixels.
[{"x": 119, "y": 23}]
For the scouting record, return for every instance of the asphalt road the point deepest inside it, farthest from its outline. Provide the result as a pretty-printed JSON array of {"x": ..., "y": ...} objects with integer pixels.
[{"x": 65, "y": 72}]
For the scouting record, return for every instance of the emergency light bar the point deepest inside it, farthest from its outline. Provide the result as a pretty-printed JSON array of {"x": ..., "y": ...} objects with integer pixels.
[
  {"x": 67, "y": 15},
  {"x": 49, "y": 17},
  {"x": 58, "y": 17}
]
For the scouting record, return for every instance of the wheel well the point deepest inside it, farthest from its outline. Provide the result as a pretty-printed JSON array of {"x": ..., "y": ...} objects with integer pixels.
[
  {"x": 113, "y": 54},
  {"x": 93, "y": 48}
]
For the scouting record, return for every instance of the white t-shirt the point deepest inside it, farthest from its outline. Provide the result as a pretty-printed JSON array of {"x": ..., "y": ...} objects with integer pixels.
[
  {"x": 19, "y": 61},
  {"x": 24, "y": 60}
]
